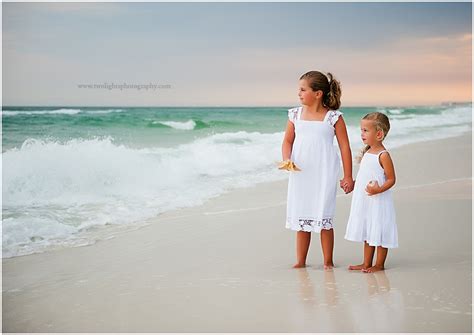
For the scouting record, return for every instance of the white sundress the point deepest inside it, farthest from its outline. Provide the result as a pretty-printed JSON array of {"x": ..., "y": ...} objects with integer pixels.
[
  {"x": 372, "y": 218},
  {"x": 311, "y": 200}
]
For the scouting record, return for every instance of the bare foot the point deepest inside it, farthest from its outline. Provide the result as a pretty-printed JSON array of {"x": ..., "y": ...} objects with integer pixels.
[
  {"x": 358, "y": 267},
  {"x": 373, "y": 269},
  {"x": 328, "y": 266},
  {"x": 298, "y": 265}
]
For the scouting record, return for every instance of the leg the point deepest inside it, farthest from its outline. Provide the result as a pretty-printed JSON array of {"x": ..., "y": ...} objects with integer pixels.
[
  {"x": 303, "y": 239},
  {"x": 327, "y": 243},
  {"x": 368, "y": 258},
  {"x": 380, "y": 262}
]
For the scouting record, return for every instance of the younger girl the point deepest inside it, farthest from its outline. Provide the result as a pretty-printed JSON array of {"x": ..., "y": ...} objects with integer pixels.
[
  {"x": 372, "y": 217},
  {"x": 308, "y": 144}
]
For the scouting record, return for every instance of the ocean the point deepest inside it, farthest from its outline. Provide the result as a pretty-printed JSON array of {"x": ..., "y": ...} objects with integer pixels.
[{"x": 76, "y": 175}]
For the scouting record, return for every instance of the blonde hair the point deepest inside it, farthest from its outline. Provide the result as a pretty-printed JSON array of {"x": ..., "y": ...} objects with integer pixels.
[
  {"x": 381, "y": 122},
  {"x": 329, "y": 85}
]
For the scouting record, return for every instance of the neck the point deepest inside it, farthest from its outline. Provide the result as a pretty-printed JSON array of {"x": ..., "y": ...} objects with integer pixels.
[
  {"x": 316, "y": 108},
  {"x": 377, "y": 146}
]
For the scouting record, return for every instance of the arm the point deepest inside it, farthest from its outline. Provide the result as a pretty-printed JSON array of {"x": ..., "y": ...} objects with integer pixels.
[
  {"x": 288, "y": 140},
  {"x": 341, "y": 134},
  {"x": 389, "y": 170}
]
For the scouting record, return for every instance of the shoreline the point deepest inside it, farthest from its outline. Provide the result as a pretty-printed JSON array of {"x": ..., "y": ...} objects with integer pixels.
[
  {"x": 103, "y": 233},
  {"x": 218, "y": 265}
]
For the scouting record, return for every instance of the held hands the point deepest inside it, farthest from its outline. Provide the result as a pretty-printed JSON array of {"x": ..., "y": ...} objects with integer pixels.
[
  {"x": 288, "y": 165},
  {"x": 347, "y": 184},
  {"x": 373, "y": 188}
]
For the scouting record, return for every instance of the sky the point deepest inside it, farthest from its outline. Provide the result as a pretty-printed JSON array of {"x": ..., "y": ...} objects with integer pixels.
[{"x": 234, "y": 54}]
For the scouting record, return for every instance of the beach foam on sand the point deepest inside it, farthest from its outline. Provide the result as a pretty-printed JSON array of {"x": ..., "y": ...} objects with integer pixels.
[{"x": 226, "y": 266}]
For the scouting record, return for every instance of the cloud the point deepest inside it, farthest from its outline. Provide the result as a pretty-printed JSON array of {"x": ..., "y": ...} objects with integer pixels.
[{"x": 408, "y": 71}]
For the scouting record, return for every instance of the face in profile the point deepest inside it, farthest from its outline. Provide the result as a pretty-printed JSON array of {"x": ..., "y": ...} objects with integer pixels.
[
  {"x": 306, "y": 94},
  {"x": 369, "y": 133}
]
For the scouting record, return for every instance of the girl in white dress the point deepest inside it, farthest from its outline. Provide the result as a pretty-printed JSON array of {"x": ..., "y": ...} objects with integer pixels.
[
  {"x": 308, "y": 144},
  {"x": 372, "y": 218}
]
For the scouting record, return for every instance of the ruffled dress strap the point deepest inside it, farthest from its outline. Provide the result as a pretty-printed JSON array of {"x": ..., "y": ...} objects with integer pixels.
[
  {"x": 293, "y": 114},
  {"x": 332, "y": 116}
]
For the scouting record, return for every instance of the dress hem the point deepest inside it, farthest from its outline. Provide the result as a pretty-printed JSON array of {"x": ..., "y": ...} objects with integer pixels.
[
  {"x": 309, "y": 231},
  {"x": 372, "y": 244}
]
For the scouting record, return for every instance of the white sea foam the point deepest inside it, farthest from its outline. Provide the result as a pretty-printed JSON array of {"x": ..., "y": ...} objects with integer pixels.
[
  {"x": 188, "y": 125},
  {"x": 55, "y": 111},
  {"x": 58, "y": 111},
  {"x": 395, "y": 111},
  {"x": 103, "y": 111},
  {"x": 55, "y": 190}
]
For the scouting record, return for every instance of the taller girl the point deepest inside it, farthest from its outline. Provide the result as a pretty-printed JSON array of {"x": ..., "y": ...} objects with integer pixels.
[{"x": 309, "y": 144}]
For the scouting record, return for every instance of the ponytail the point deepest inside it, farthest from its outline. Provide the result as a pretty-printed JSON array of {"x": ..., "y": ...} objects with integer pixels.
[{"x": 332, "y": 98}]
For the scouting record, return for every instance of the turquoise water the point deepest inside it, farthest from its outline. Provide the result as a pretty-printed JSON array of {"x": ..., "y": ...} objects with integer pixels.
[
  {"x": 146, "y": 127},
  {"x": 137, "y": 127},
  {"x": 70, "y": 172}
]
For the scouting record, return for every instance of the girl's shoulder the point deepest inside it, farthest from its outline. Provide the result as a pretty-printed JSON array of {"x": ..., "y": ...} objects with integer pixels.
[
  {"x": 384, "y": 155},
  {"x": 382, "y": 152}
]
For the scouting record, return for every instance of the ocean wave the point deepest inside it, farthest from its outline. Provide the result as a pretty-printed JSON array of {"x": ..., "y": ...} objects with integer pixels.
[
  {"x": 396, "y": 111},
  {"x": 53, "y": 191},
  {"x": 55, "y": 111},
  {"x": 67, "y": 111},
  {"x": 103, "y": 111},
  {"x": 187, "y": 125},
  {"x": 411, "y": 127}
]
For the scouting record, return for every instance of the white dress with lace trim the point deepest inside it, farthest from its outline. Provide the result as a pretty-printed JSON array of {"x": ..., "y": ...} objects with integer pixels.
[{"x": 311, "y": 200}]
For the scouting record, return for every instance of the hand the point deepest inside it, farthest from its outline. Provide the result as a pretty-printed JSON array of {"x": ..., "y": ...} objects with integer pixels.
[
  {"x": 373, "y": 188},
  {"x": 347, "y": 184}
]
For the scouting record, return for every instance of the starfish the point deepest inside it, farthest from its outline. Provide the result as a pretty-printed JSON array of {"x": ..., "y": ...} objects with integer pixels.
[{"x": 288, "y": 165}]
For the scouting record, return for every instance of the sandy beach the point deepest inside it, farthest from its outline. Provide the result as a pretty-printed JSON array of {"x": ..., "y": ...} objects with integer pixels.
[{"x": 225, "y": 266}]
